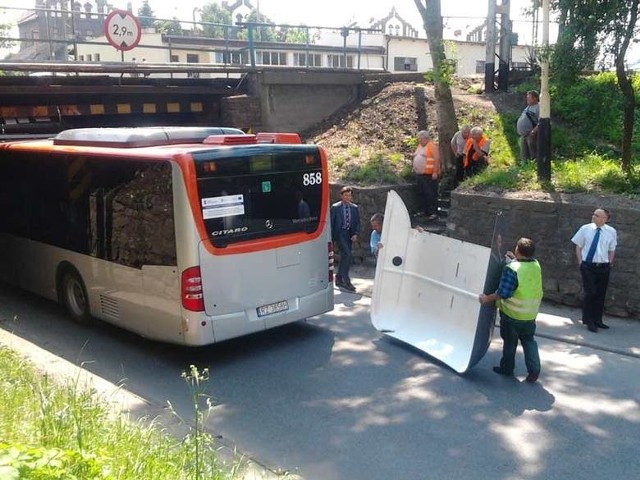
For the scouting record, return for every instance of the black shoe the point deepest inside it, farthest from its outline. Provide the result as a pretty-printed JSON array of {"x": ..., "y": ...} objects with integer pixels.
[
  {"x": 339, "y": 282},
  {"x": 593, "y": 328},
  {"x": 349, "y": 286},
  {"x": 500, "y": 371},
  {"x": 602, "y": 326},
  {"x": 532, "y": 378}
]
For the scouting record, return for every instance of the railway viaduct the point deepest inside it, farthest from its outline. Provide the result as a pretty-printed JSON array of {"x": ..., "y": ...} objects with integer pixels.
[{"x": 268, "y": 99}]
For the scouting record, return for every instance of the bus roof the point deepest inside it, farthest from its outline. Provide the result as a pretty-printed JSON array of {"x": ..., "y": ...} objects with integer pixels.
[
  {"x": 148, "y": 142},
  {"x": 139, "y": 137}
]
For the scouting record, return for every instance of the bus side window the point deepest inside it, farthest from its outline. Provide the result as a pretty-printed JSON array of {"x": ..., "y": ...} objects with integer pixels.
[{"x": 140, "y": 216}]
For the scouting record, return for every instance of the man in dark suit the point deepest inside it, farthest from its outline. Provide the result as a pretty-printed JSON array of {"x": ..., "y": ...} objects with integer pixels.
[{"x": 345, "y": 227}]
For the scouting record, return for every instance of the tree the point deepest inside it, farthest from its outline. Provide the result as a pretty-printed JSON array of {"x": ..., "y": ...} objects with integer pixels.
[
  {"x": 4, "y": 32},
  {"x": 146, "y": 15},
  {"x": 577, "y": 48},
  {"x": 447, "y": 121},
  {"x": 215, "y": 17},
  {"x": 169, "y": 27},
  {"x": 605, "y": 27},
  {"x": 622, "y": 30}
]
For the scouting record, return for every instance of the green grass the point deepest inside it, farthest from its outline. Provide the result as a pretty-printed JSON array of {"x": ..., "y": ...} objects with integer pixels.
[
  {"x": 53, "y": 431},
  {"x": 593, "y": 173},
  {"x": 378, "y": 169}
]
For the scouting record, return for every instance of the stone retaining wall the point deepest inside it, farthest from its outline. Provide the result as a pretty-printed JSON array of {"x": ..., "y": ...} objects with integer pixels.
[
  {"x": 550, "y": 220},
  {"x": 371, "y": 200}
]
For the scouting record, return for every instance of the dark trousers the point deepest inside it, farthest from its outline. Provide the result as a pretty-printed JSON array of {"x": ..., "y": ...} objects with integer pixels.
[
  {"x": 428, "y": 188},
  {"x": 595, "y": 280},
  {"x": 511, "y": 331},
  {"x": 528, "y": 147},
  {"x": 343, "y": 241},
  {"x": 459, "y": 168},
  {"x": 475, "y": 167}
]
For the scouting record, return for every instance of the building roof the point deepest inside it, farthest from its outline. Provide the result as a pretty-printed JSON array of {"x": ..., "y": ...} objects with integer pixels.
[{"x": 403, "y": 28}]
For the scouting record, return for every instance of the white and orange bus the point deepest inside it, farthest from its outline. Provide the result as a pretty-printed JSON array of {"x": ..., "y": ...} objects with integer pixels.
[{"x": 185, "y": 235}]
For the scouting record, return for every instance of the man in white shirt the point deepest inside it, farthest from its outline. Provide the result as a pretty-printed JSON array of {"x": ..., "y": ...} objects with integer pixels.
[
  {"x": 458, "y": 142},
  {"x": 595, "y": 250},
  {"x": 527, "y": 127}
]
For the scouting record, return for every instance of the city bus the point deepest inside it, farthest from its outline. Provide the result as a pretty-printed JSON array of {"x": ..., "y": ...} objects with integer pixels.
[{"x": 183, "y": 235}]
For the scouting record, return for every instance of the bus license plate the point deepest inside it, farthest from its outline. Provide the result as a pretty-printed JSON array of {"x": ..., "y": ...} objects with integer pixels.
[{"x": 273, "y": 308}]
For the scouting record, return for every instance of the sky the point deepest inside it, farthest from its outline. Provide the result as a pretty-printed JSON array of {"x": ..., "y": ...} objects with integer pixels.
[{"x": 459, "y": 14}]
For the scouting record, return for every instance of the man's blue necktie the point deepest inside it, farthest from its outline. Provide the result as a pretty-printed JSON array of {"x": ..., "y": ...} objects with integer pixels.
[
  {"x": 593, "y": 247},
  {"x": 347, "y": 215}
]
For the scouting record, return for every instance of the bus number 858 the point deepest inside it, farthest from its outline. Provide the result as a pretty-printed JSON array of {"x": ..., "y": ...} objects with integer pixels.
[{"x": 314, "y": 178}]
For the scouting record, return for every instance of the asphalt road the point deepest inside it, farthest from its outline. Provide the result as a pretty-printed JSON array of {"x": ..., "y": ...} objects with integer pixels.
[{"x": 331, "y": 398}]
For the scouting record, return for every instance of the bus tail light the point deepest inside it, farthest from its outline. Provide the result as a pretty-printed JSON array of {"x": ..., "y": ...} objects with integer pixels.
[
  {"x": 330, "y": 247},
  {"x": 191, "y": 290}
]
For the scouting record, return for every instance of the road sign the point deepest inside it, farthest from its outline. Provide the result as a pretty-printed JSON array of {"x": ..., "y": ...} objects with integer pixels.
[{"x": 122, "y": 29}]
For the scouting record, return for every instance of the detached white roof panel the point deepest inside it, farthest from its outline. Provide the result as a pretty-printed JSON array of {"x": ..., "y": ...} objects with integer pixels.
[{"x": 426, "y": 291}]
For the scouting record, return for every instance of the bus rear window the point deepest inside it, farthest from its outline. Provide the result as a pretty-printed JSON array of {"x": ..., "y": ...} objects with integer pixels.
[{"x": 259, "y": 191}]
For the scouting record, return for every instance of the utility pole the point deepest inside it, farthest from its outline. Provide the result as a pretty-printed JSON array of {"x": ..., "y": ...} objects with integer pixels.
[
  {"x": 504, "y": 58},
  {"x": 544, "y": 123},
  {"x": 489, "y": 64}
]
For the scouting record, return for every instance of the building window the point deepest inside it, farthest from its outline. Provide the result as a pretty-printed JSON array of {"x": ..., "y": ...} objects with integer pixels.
[
  {"x": 338, "y": 61},
  {"x": 96, "y": 57},
  {"x": 271, "y": 58},
  {"x": 405, "y": 64},
  {"x": 230, "y": 58},
  {"x": 520, "y": 65},
  {"x": 81, "y": 58},
  {"x": 480, "y": 66},
  {"x": 174, "y": 58},
  {"x": 307, "y": 59},
  {"x": 193, "y": 58}
]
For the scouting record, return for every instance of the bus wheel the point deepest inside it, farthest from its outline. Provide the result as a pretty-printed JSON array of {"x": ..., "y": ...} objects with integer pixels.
[{"x": 74, "y": 296}]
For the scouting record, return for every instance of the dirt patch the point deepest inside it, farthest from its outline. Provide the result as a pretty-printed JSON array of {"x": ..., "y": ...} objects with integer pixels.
[{"x": 386, "y": 123}]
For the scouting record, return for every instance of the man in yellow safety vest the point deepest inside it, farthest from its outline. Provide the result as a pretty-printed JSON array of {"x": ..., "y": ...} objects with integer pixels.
[{"x": 519, "y": 295}]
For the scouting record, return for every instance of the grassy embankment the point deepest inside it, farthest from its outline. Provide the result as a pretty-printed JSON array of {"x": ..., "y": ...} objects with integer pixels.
[
  {"x": 63, "y": 431},
  {"x": 586, "y": 134}
]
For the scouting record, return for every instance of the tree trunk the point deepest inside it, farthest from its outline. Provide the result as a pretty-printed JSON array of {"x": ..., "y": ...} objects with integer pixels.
[
  {"x": 627, "y": 89},
  {"x": 447, "y": 121}
]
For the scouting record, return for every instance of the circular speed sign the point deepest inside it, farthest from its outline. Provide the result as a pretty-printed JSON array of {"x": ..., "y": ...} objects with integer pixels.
[{"x": 122, "y": 30}]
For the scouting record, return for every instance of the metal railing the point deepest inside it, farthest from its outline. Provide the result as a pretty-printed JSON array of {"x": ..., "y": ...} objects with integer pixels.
[{"x": 62, "y": 33}]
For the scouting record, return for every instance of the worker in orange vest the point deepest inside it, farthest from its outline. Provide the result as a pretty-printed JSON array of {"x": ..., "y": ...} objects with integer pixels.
[
  {"x": 426, "y": 167},
  {"x": 476, "y": 152}
]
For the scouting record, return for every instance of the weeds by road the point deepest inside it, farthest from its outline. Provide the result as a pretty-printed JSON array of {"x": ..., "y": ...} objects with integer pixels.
[{"x": 62, "y": 431}]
